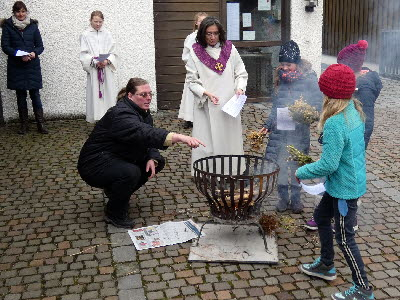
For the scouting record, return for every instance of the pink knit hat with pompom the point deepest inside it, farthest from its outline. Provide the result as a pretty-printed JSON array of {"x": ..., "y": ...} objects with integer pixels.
[{"x": 353, "y": 55}]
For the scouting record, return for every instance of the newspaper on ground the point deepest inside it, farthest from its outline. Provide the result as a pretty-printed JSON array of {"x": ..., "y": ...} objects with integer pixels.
[
  {"x": 168, "y": 233},
  {"x": 234, "y": 105}
]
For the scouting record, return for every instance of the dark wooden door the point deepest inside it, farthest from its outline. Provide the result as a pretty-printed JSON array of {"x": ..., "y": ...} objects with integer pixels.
[
  {"x": 173, "y": 22},
  {"x": 346, "y": 22}
]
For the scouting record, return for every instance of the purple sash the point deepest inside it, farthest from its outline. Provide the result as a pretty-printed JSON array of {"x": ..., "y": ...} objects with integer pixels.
[{"x": 216, "y": 65}]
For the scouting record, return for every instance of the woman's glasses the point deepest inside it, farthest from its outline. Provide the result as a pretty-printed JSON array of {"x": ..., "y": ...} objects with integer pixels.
[
  {"x": 145, "y": 95},
  {"x": 209, "y": 34}
]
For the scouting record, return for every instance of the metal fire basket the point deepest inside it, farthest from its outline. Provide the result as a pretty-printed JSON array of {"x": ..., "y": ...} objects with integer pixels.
[{"x": 235, "y": 187}]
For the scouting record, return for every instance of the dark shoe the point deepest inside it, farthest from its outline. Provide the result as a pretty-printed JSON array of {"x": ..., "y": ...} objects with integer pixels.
[
  {"x": 354, "y": 293},
  {"x": 23, "y": 118},
  {"x": 311, "y": 224},
  {"x": 40, "y": 121},
  {"x": 295, "y": 202},
  {"x": 319, "y": 269},
  {"x": 188, "y": 125},
  {"x": 283, "y": 198},
  {"x": 122, "y": 221}
]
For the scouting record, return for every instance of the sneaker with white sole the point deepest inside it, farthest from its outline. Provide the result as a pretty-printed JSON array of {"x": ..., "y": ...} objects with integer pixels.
[
  {"x": 355, "y": 293},
  {"x": 311, "y": 225},
  {"x": 319, "y": 269}
]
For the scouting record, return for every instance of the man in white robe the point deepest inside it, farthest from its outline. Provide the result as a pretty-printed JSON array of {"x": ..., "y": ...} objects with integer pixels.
[
  {"x": 215, "y": 73},
  {"x": 100, "y": 96}
]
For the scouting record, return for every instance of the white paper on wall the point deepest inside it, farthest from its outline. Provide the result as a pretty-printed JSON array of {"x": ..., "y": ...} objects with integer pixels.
[
  {"x": 246, "y": 19},
  {"x": 264, "y": 4},
  {"x": 232, "y": 21},
  {"x": 284, "y": 120},
  {"x": 249, "y": 35}
]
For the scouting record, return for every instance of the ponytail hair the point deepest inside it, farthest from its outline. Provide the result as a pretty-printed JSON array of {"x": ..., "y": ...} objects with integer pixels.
[{"x": 131, "y": 87}]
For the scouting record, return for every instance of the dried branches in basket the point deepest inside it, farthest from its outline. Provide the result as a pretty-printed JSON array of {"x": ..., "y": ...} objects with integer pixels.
[
  {"x": 296, "y": 155},
  {"x": 302, "y": 112},
  {"x": 256, "y": 140}
]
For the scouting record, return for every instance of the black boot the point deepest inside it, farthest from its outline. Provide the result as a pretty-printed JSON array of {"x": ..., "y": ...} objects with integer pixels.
[
  {"x": 120, "y": 220},
  {"x": 23, "y": 118},
  {"x": 40, "y": 120}
]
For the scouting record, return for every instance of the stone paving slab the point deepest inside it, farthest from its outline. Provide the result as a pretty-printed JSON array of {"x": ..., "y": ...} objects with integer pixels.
[{"x": 54, "y": 244}]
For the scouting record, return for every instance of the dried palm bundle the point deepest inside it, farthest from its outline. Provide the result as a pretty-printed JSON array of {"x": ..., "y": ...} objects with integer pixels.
[
  {"x": 296, "y": 155},
  {"x": 256, "y": 140},
  {"x": 302, "y": 112},
  {"x": 269, "y": 223}
]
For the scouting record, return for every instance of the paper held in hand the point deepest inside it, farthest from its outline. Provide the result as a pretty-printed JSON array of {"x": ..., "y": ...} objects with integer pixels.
[
  {"x": 284, "y": 120},
  {"x": 103, "y": 57},
  {"x": 234, "y": 105},
  {"x": 313, "y": 189},
  {"x": 21, "y": 53}
]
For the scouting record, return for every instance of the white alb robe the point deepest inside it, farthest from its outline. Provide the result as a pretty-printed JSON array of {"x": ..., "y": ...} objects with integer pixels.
[
  {"x": 93, "y": 43},
  {"x": 187, "y": 101},
  {"x": 221, "y": 133}
]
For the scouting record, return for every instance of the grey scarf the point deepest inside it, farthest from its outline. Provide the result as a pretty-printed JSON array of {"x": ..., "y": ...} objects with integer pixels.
[{"x": 21, "y": 24}]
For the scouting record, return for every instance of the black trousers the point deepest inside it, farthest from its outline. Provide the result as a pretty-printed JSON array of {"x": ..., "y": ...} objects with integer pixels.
[
  {"x": 120, "y": 179},
  {"x": 35, "y": 97}
]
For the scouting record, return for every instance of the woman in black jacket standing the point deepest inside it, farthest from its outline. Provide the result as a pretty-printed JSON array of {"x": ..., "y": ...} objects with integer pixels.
[
  {"x": 121, "y": 153},
  {"x": 21, "y": 33}
]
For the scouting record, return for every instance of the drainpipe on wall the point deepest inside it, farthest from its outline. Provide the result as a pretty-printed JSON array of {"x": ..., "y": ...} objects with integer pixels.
[{"x": 1, "y": 112}]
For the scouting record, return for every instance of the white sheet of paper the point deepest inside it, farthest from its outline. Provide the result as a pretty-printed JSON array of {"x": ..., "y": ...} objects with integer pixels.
[
  {"x": 264, "y": 4},
  {"x": 234, "y": 105},
  {"x": 315, "y": 189},
  {"x": 233, "y": 21},
  {"x": 21, "y": 53},
  {"x": 249, "y": 35},
  {"x": 103, "y": 57},
  {"x": 246, "y": 19},
  {"x": 284, "y": 120}
]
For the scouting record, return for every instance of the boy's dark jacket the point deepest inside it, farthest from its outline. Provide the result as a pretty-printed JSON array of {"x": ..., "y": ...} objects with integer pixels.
[{"x": 369, "y": 86}]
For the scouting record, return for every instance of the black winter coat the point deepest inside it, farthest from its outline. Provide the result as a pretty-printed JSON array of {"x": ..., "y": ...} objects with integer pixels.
[
  {"x": 369, "y": 86},
  {"x": 125, "y": 132},
  {"x": 22, "y": 75},
  {"x": 286, "y": 94}
]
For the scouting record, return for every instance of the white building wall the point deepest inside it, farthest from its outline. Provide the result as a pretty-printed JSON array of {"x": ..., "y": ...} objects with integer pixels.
[
  {"x": 61, "y": 23},
  {"x": 306, "y": 30}
]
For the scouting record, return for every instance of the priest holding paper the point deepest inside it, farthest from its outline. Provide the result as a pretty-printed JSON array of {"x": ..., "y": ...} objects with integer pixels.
[
  {"x": 215, "y": 73},
  {"x": 99, "y": 60}
]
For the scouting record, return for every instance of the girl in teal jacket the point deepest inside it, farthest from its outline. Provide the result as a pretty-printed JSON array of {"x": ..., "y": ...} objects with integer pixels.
[{"x": 342, "y": 162}]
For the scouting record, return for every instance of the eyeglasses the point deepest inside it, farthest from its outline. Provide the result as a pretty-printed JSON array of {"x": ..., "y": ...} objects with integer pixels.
[
  {"x": 145, "y": 95},
  {"x": 209, "y": 34}
]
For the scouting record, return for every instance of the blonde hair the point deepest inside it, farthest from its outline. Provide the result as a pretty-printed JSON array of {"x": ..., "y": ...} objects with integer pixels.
[
  {"x": 333, "y": 107},
  {"x": 196, "y": 17}
]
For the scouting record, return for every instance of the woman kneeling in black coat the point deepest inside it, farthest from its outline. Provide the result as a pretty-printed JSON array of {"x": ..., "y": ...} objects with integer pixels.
[{"x": 121, "y": 153}]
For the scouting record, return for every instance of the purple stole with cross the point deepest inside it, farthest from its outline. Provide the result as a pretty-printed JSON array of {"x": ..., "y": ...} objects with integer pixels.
[{"x": 216, "y": 65}]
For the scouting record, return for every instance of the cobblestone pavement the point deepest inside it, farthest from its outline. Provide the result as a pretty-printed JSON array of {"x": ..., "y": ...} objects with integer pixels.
[{"x": 54, "y": 244}]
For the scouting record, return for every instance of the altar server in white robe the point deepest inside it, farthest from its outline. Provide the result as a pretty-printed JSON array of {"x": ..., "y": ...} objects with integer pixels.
[
  {"x": 216, "y": 73},
  {"x": 187, "y": 101},
  {"x": 101, "y": 89}
]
